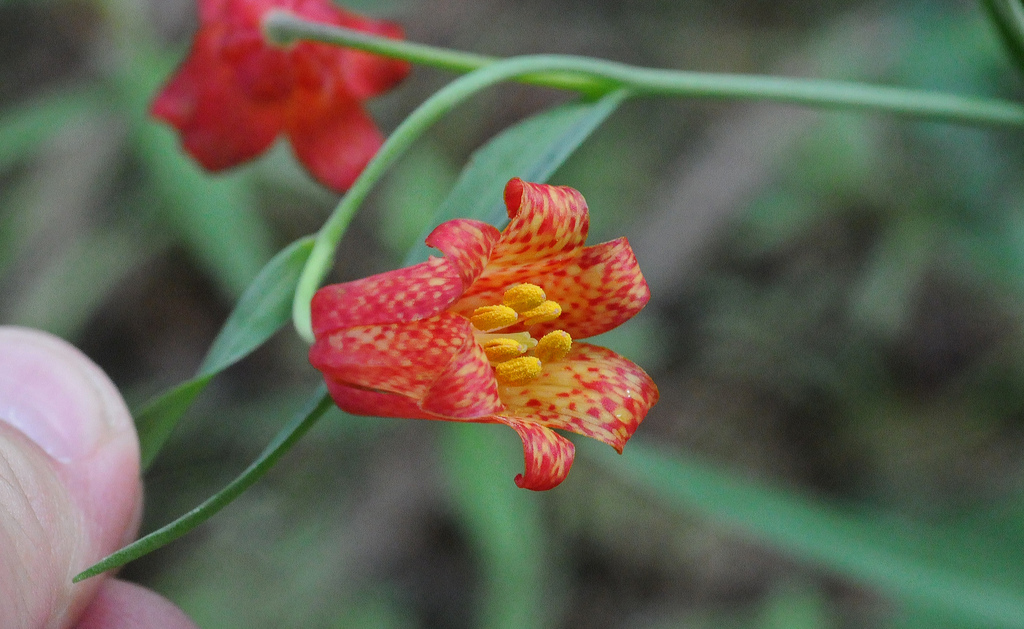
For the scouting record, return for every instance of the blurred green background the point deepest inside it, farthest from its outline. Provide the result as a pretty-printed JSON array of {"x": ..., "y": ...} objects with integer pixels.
[{"x": 835, "y": 328}]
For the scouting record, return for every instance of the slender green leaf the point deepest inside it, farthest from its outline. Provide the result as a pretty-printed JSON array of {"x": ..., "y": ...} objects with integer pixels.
[
  {"x": 532, "y": 149},
  {"x": 285, "y": 439},
  {"x": 1008, "y": 17},
  {"x": 262, "y": 310},
  {"x": 155, "y": 421},
  {"x": 966, "y": 575}
]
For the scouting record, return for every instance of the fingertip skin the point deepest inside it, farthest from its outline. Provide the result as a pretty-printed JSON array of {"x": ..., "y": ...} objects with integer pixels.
[
  {"x": 70, "y": 491},
  {"x": 123, "y": 605}
]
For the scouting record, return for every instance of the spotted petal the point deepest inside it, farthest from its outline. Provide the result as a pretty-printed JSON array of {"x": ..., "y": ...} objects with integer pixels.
[
  {"x": 412, "y": 293},
  {"x": 593, "y": 392},
  {"x": 598, "y": 289},
  {"x": 399, "y": 296},
  {"x": 358, "y": 401},
  {"x": 547, "y": 455},
  {"x": 435, "y": 363},
  {"x": 466, "y": 242},
  {"x": 403, "y": 358},
  {"x": 548, "y": 225},
  {"x": 466, "y": 389}
]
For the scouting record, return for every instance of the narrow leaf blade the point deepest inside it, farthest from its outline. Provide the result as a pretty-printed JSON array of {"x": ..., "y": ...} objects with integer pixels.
[
  {"x": 289, "y": 435},
  {"x": 532, "y": 149},
  {"x": 264, "y": 307},
  {"x": 262, "y": 310},
  {"x": 1008, "y": 17}
]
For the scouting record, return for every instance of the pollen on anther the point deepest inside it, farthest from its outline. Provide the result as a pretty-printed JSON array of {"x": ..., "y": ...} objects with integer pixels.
[
  {"x": 518, "y": 370},
  {"x": 547, "y": 311},
  {"x": 524, "y": 297},
  {"x": 553, "y": 346},
  {"x": 501, "y": 349},
  {"x": 490, "y": 318}
]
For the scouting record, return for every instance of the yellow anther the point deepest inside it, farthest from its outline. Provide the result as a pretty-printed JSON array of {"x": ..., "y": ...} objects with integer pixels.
[
  {"x": 501, "y": 349},
  {"x": 524, "y": 297},
  {"x": 553, "y": 346},
  {"x": 547, "y": 311},
  {"x": 490, "y": 318},
  {"x": 518, "y": 370}
]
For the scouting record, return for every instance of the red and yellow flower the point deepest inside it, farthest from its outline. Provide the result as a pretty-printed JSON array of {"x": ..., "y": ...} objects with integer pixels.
[
  {"x": 235, "y": 93},
  {"x": 487, "y": 332}
]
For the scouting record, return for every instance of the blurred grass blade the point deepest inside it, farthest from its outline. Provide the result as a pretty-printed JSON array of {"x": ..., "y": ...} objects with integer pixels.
[
  {"x": 962, "y": 574},
  {"x": 80, "y": 278},
  {"x": 262, "y": 310},
  {"x": 24, "y": 127},
  {"x": 285, "y": 439},
  {"x": 504, "y": 523},
  {"x": 1008, "y": 17},
  {"x": 213, "y": 215},
  {"x": 532, "y": 149}
]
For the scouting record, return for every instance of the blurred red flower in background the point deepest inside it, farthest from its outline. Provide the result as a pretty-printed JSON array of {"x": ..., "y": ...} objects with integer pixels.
[
  {"x": 484, "y": 334},
  {"x": 236, "y": 91}
]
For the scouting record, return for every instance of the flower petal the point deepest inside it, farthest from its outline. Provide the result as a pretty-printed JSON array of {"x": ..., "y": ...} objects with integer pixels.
[
  {"x": 366, "y": 74},
  {"x": 467, "y": 388},
  {"x": 373, "y": 403},
  {"x": 220, "y": 127},
  {"x": 412, "y": 293},
  {"x": 548, "y": 225},
  {"x": 332, "y": 135},
  {"x": 466, "y": 242},
  {"x": 592, "y": 392},
  {"x": 404, "y": 358},
  {"x": 544, "y": 222},
  {"x": 403, "y": 295},
  {"x": 598, "y": 290},
  {"x": 547, "y": 455}
]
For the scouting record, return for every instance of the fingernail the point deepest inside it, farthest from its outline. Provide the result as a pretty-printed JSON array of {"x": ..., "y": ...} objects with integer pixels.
[{"x": 53, "y": 394}]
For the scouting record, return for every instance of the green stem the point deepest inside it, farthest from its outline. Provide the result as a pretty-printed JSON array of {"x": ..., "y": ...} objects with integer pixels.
[
  {"x": 827, "y": 94},
  {"x": 598, "y": 76},
  {"x": 319, "y": 404},
  {"x": 588, "y": 75},
  {"x": 444, "y": 100}
]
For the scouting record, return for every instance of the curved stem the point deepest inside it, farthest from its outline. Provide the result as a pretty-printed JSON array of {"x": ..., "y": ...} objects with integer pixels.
[
  {"x": 598, "y": 76},
  {"x": 637, "y": 80},
  {"x": 444, "y": 100}
]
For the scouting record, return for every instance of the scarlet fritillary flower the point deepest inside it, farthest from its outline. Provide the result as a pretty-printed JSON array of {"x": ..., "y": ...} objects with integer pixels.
[
  {"x": 236, "y": 92},
  {"x": 486, "y": 333}
]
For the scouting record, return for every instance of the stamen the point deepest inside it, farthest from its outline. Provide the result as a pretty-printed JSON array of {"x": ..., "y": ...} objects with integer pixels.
[
  {"x": 523, "y": 297},
  {"x": 490, "y": 318},
  {"x": 522, "y": 338},
  {"x": 518, "y": 370},
  {"x": 547, "y": 311},
  {"x": 553, "y": 346},
  {"x": 501, "y": 349}
]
